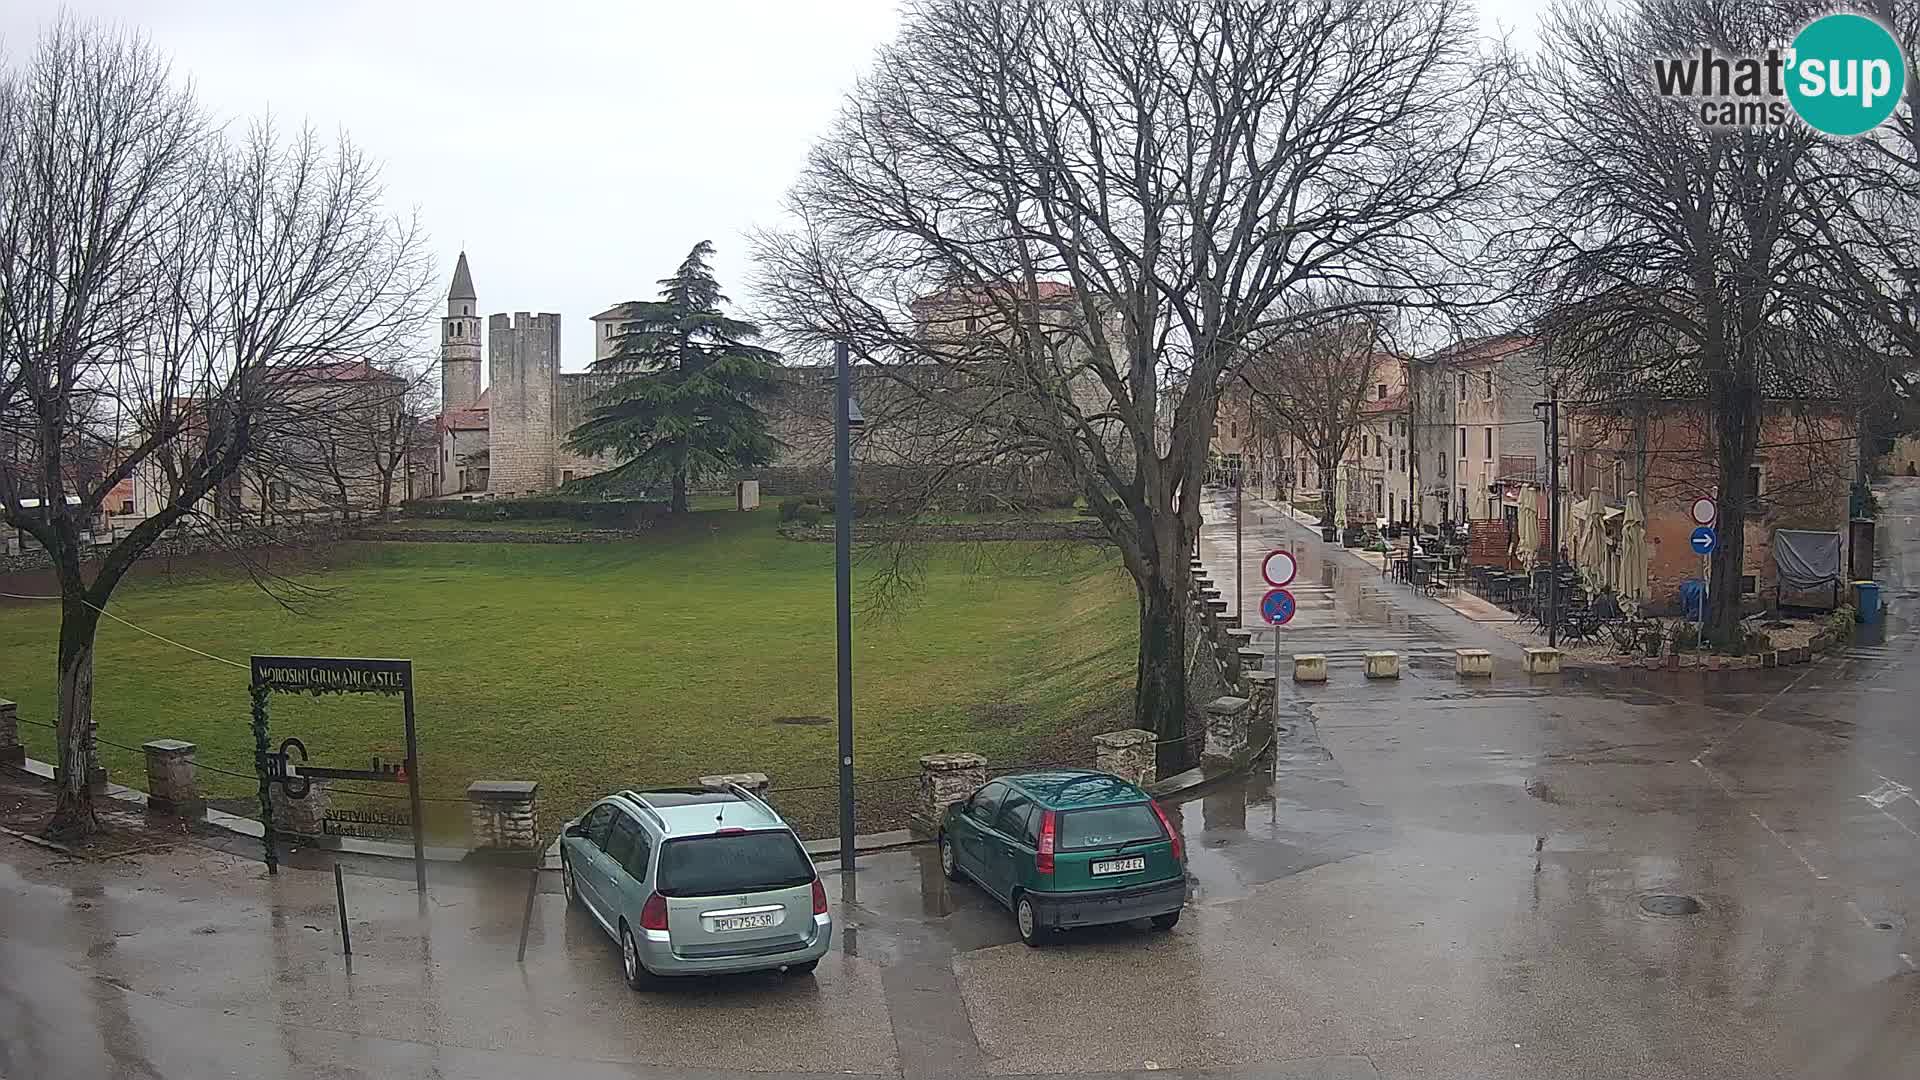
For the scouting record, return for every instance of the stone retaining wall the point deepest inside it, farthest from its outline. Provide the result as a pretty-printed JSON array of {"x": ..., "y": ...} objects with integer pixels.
[
  {"x": 180, "y": 544},
  {"x": 483, "y": 535},
  {"x": 1091, "y": 532},
  {"x": 1824, "y": 641}
]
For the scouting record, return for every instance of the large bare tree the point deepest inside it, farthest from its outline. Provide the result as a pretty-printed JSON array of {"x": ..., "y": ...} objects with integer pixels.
[
  {"x": 169, "y": 299},
  {"x": 1678, "y": 262},
  {"x": 1085, "y": 211},
  {"x": 1311, "y": 388}
]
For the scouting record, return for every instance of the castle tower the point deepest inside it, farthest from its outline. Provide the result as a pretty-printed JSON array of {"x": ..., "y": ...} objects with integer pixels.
[
  {"x": 460, "y": 343},
  {"x": 524, "y": 368}
]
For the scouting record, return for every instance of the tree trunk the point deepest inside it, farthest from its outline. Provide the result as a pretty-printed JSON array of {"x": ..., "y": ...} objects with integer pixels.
[
  {"x": 679, "y": 501},
  {"x": 1736, "y": 422},
  {"x": 1160, "y": 676},
  {"x": 73, "y": 815}
]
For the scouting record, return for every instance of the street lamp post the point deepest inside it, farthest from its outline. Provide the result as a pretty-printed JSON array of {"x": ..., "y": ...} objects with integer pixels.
[{"x": 845, "y": 418}]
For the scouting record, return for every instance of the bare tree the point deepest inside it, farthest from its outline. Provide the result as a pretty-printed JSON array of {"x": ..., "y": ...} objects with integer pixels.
[
  {"x": 168, "y": 301},
  {"x": 1680, "y": 262},
  {"x": 372, "y": 429},
  {"x": 1086, "y": 210},
  {"x": 1312, "y": 387}
]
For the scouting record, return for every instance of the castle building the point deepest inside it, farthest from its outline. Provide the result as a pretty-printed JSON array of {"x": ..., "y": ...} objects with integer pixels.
[{"x": 508, "y": 439}]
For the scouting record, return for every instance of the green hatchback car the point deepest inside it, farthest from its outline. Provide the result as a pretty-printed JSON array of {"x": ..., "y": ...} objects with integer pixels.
[{"x": 1065, "y": 849}]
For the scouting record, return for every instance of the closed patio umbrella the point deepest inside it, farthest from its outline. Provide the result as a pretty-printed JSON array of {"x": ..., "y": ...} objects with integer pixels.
[
  {"x": 1529, "y": 521},
  {"x": 1593, "y": 543},
  {"x": 1634, "y": 584}
]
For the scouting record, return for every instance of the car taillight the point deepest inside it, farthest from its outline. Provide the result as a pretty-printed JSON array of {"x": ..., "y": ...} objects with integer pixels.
[
  {"x": 819, "y": 897},
  {"x": 654, "y": 915},
  {"x": 1179, "y": 848},
  {"x": 1043, "y": 860}
]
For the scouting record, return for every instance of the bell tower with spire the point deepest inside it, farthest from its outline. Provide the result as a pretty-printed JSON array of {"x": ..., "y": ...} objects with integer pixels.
[{"x": 460, "y": 342}]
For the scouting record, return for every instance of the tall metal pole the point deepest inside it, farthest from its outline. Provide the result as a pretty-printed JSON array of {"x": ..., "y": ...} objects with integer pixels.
[
  {"x": 1239, "y": 511},
  {"x": 1553, "y": 517},
  {"x": 843, "y": 587}
]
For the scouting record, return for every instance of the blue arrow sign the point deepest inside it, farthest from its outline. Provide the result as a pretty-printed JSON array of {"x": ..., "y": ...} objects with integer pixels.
[
  {"x": 1704, "y": 540},
  {"x": 1277, "y": 607}
]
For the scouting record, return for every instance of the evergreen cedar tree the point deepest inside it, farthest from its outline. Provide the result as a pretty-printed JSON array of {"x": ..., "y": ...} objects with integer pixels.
[{"x": 682, "y": 407}]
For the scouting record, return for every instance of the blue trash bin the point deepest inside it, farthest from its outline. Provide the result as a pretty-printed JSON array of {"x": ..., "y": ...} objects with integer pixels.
[
  {"x": 1693, "y": 597},
  {"x": 1866, "y": 601}
]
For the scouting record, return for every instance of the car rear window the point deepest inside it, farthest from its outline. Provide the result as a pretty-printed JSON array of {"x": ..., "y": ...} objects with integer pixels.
[
  {"x": 1107, "y": 826},
  {"x": 737, "y": 862}
]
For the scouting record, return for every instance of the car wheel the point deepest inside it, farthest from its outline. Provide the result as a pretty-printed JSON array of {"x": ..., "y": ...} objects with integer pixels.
[
  {"x": 566, "y": 883},
  {"x": 1028, "y": 920},
  {"x": 797, "y": 970},
  {"x": 949, "y": 862},
  {"x": 1166, "y": 922},
  {"x": 638, "y": 977}
]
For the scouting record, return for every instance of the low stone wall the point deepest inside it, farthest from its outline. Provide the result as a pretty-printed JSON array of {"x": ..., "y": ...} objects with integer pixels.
[
  {"x": 1091, "y": 532},
  {"x": 176, "y": 545},
  {"x": 482, "y": 535}
]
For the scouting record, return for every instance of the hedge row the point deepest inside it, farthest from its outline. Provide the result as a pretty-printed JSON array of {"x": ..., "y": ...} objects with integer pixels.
[{"x": 602, "y": 513}]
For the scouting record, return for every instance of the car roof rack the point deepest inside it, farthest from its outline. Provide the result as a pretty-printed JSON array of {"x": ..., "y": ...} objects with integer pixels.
[
  {"x": 748, "y": 796},
  {"x": 640, "y": 801}
]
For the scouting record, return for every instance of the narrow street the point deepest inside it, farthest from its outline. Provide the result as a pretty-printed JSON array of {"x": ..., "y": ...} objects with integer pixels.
[{"x": 1433, "y": 879}]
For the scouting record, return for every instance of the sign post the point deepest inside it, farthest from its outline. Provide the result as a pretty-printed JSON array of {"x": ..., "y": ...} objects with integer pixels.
[
  {"x": 1278, "y": 606},
  {"x": 318, "y": 675},
  {"x": 1706, "y": 513}
]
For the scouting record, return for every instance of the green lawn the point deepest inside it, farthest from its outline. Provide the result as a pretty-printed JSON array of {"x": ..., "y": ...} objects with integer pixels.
[{"x": 704, "y": 646}]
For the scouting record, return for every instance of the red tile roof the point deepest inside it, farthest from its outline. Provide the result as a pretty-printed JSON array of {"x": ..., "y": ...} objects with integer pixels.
[{"x": 464, "y": 420}]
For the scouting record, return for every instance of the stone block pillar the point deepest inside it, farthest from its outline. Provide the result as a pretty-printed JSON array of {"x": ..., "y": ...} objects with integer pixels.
[
  {"x": 300, "y": 817},
  {"x": 1309, "y": 667},
  {"x": 756, "y": 783},
  {"x": 503, "y": 815},
  {"x": 1543, "y": 661},
  {"x": 1227, "y": 730},
  {"x": 945, "y": 779},
  {"x": 11, "y": 752},
  {"x": 1126, "y": 754},
  {"x": 171, "y": 785},
  {"x": 1473, "y": 663},
  {"x": 1383, "y": 665}
]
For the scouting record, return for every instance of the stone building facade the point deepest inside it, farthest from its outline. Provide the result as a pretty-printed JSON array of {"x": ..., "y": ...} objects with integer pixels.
[
  {"x": 1798, "y": 481},
  {"x": 508, "y": 439}
]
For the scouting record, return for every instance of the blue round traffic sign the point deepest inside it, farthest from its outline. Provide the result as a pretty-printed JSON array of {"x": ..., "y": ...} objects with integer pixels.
[
  {"x": 1704, "y": 540},
  {"x": 1277, "y": 607}
]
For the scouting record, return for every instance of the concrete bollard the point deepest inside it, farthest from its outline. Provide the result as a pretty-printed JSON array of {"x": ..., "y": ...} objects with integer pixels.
[
  {"x": 1226, "y": 730},
  {"x": 1309, "y": 667},
  {"x": 1383, "y": 665},
  {"x": 172, "y": 787},
  {"x": 756, "y": 783},
  {"x": 11, "y": 752},
  {"x": 1127, "y": 754},
  {"x": 504, "y": 815},
  {"x": 1473, "y": 663},
  {"x": 945, "y": 779},
  {"x": 1543, "y": 661}
]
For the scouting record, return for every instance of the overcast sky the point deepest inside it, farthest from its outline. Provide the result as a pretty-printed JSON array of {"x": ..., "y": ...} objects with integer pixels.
[{"x": 575, "y": 149}]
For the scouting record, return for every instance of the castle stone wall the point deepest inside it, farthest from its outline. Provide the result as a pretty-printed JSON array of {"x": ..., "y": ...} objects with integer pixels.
[
  {"x": 524, "y": 363},
  {"x": 572, "y": 402}
]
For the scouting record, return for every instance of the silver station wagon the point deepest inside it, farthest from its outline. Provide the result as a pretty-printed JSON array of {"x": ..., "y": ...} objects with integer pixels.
[{"x": 696, "y": 882}]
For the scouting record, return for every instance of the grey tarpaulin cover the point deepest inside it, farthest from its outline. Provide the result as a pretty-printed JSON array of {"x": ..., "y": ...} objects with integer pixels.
[{"x": 1806, "y": 560}]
